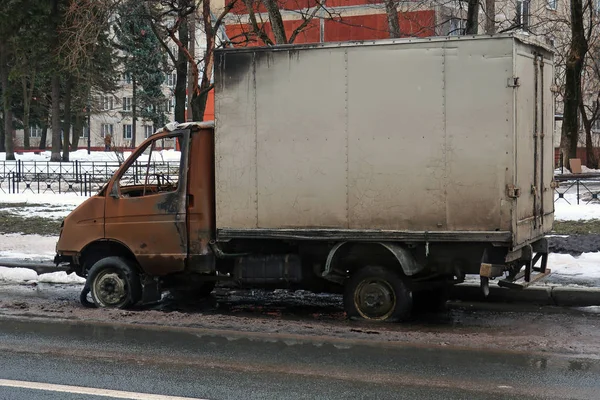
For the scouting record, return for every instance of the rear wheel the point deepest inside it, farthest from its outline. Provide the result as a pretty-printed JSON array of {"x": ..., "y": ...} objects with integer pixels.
[
  {"x": 114, "y": 283},
  {"x": 379, "y": 294}
]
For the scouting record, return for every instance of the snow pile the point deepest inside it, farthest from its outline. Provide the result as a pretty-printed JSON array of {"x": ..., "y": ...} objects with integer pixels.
[
  {"x": 587, "y": 265},
  {"x": 24, "y": 275}
]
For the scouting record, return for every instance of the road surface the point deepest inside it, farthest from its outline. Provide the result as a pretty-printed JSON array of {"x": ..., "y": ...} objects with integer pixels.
[{"x": 37, "y": 354}]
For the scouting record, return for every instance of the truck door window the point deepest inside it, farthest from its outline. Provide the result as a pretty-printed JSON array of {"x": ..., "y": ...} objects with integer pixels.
[{"x": 153, "y": 172}]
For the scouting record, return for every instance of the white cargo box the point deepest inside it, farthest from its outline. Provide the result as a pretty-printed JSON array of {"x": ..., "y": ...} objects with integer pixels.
[{"x": 444, "y": 139}]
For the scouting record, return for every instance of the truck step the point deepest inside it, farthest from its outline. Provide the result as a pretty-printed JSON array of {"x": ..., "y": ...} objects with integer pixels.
[{"x": 514, "y": 284}]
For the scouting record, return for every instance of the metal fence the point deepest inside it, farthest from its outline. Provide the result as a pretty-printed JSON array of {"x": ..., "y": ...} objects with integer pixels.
[
  {"x": 582, "y": 188},
  {"x": 79, "y": 177}
]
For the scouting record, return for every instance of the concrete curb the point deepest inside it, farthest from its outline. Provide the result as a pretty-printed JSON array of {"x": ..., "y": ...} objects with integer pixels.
[{"x": 543, "y": 295}]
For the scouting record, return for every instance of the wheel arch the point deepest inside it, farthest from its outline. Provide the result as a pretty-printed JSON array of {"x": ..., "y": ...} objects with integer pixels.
[
  {"x": 98, "y": 249},
  {"x": 388, "y": 254}
]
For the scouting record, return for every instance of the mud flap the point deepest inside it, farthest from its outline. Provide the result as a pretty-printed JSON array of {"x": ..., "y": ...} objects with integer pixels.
[{"x": 151, "y": 290}]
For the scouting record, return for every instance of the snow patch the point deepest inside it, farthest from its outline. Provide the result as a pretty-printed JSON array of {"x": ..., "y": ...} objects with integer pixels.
[
  {"x": 35, "y": 199},
  {"x": 575, "y": 212},
  {"x": 587, "y": 265},
  {"x": 24, "y": 275},
  {"x": 15, "y": 245}
]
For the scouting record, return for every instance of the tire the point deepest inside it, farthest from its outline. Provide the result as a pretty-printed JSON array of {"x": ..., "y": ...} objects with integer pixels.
[
  {"x": 377, "y": 294},
  {"x": 114, "y": 283}
]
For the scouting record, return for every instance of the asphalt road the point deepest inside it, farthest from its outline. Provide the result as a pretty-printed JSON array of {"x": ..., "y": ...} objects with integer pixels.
[{"x": 204, "y": 364}]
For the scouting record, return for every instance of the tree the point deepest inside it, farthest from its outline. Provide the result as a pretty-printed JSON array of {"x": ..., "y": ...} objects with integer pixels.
[
  {"x": 144, "y": 60},
  {"x": 575, "y": 60},
  {"x": 14, "y": 15}
]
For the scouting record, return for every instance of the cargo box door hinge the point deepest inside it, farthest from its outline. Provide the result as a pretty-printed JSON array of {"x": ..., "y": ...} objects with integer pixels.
[
  {"x": 513, "y": 81},
  {"x": 512, "y": 191}
]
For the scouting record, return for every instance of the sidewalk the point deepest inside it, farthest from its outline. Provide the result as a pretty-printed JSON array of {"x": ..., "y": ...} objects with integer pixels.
[{"x": 557, "y": 295}]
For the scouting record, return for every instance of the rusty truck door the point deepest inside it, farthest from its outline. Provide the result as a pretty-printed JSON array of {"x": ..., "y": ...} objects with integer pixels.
[
  {"x": 201, "y": 203},
  {"x": 146, "y": 206}
]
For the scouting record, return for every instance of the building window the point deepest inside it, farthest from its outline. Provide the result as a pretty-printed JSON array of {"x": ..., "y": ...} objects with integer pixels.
[
  {"x": 127, "y": 131},
  {"x": 35, "y": 132},
  {"x": 106, "y": 103},
  {"x": 169, "y": 105},
  {"x": 148, "y": 131},
  {"x": 522, "y": 17},
  {"x": 552, "y": 4},
  {"x": 457, "y": 26},
  {"x": 127, "y": 103},
  {"x": 106, "y": 129},
  {"x": 171, "y": 80},
  {"x": 127, "y": 78}
]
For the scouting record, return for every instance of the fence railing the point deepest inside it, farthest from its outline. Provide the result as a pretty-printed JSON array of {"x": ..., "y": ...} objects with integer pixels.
[
  {"x": 584, "y": 187},
  {"x": 79, "y": 177}
]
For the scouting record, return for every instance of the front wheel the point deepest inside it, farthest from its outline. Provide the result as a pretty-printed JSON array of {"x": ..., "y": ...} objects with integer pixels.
[
  {"x": 378, "y": 294},
  {"x": 114, "y": 283}
]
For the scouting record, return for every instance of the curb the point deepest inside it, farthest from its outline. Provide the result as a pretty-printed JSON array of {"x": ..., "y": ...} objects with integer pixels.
[{"x": 543, "y": 295}]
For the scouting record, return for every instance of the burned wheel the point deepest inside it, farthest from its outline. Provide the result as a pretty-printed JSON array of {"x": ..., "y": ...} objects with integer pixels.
[
  {"x": 114, "y": 283},
  {"x": 379, "y": 294}
]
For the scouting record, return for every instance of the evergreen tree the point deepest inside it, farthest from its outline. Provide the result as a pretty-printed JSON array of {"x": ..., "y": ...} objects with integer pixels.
[{"x": 144, "y": 60}]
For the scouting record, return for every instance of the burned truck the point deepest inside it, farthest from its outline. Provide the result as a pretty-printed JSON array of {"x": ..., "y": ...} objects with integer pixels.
[{"x": 385, "y": 171}]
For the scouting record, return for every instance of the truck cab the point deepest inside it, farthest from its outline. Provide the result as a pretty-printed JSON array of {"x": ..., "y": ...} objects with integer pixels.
[{"x": 153, "y": 221}]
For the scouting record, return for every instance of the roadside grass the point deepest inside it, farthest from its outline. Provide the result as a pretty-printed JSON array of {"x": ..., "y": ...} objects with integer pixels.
[
  {"x": 28, "y": 225},
  {"x": 577, "y": 227}
]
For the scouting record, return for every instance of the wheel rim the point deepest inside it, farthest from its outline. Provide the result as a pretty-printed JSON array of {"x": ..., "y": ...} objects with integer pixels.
[
  {"x": 110, "y": 288},
  {"x": 375, "y": 299}
]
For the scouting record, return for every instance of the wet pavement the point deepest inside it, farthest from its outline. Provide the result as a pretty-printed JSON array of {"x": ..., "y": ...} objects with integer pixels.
[{"x": 229, "y": 365}]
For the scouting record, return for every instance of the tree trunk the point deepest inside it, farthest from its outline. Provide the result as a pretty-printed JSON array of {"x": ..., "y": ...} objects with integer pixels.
[
  {"x": 180, "y": 85},
  {"x": 590, "y": 153},
  {"x": 55, "y": 156},
  {"x": 490, "y": 17},
  {"x": 55, "y": 83},
  {"x": 77, "y": 130},
  {"x": 199, "y": 106},
  {"x": 276, "y": 21},
  {"x": 42, "y": 145},
  {"x": 472, "y": 18},
  {"x": 133, "y": 112},
  {"x": 26, "y": 112},
  {"x": 8, "y": 120},
  {"x": 191, "y": 83},
  {"x": 391, "y": 10},
  {"x": 572, "y": 97},
  {"x": 67, "y": 119}
]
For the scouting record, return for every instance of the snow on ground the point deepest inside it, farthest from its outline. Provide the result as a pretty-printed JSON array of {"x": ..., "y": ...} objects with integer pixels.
[
  {"x": 24, "y": 275},
  {"x": 575, "y": 212},
  {"x": 63, "y": 199},
  {"x": 82, "y": 155},
  {"x": 31, "y": 247},
  {"x": 587, "y": 265},
  {"x": 15, "y": 245}
]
